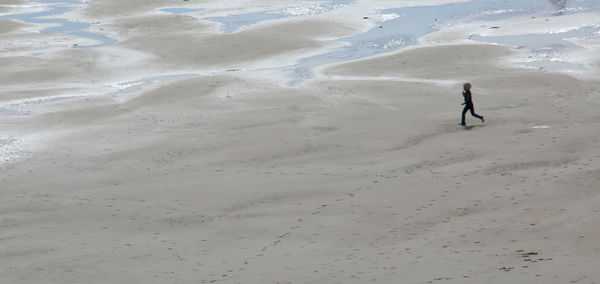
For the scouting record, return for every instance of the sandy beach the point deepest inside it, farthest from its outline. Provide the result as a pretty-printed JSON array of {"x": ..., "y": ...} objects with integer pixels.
[{"x": 222, "y": 173}]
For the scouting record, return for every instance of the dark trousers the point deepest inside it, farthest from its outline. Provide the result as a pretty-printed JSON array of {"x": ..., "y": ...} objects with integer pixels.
[{"x": 469, "y": 107}]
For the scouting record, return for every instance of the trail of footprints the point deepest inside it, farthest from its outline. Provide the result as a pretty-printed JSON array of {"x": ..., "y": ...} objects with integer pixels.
[{"x": 529, "y": 257}]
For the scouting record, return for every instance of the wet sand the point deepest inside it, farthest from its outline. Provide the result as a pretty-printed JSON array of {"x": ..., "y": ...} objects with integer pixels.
[{"x": 360, "y": 175}]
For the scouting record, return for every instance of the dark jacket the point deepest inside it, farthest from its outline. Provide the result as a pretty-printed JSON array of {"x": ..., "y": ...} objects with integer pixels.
[{"x": 468, "y": 100}]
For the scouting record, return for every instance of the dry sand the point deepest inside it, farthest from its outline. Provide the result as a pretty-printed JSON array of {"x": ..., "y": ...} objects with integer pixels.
[
  {"x": 190, "y": 49},
  {"x": 7, "y": 26},
  {"x": 362, "y": 175}
]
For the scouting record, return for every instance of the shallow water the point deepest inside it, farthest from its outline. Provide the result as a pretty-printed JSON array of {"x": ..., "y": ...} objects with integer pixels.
[
  {"x": 235, "y": 22},
  {"x": 547, "y": 51},
  {"x": 406, "y": 25},
  {"x": 232, "y": 23},
  {"x": 61, "y": 26},
  {"x": 400, "y": 28}
]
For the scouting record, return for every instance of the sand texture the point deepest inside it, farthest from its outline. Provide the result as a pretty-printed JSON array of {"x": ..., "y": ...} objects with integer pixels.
[{"x": 361, "y": 175}]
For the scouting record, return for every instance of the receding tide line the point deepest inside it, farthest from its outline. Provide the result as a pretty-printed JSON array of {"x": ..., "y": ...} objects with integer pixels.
[{"x": 393, "y": 79}]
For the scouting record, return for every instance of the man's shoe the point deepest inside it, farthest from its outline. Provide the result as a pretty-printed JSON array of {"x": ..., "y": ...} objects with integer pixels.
[{"x": 482, "y": 119}]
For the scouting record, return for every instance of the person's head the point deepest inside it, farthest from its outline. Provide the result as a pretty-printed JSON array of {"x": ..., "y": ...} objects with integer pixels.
[{"x": 467, "y": 86}]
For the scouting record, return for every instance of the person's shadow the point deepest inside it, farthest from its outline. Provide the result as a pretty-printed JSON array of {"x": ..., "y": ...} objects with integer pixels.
[{"x": 469, "y": 127}]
